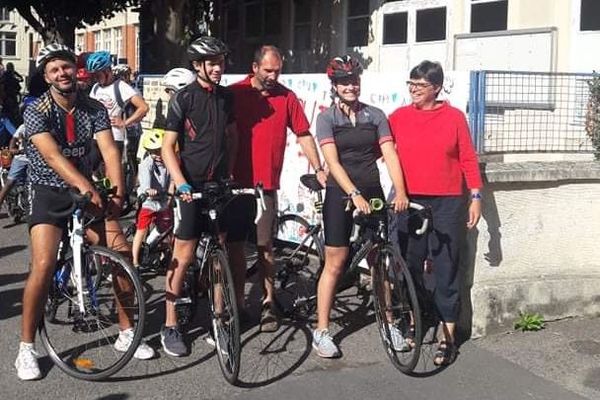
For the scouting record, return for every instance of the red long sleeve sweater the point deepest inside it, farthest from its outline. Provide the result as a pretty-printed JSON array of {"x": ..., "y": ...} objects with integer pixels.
[{"x": 435, "y": 150}]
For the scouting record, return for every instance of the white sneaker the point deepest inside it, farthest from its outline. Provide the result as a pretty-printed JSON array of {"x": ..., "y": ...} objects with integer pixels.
[
  {"x": 323, "y": 344},
  {"x": 398, "y": 342},
  {"x": 26, "y": 363},
  {"x": 143, "y": 352}
]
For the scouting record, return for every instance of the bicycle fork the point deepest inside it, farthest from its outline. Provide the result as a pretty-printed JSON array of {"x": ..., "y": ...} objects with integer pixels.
[{"x": 76, "y": 241}]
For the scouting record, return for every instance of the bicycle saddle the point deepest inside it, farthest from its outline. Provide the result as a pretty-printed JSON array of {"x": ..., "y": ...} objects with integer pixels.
[{"x": 311, "y": 182}]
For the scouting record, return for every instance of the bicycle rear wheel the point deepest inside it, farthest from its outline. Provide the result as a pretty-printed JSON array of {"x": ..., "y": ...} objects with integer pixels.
[
  {"x": 396, "y": 308},
  {"x": 224, "y": 315},
  {"x": 299, "y": 258},
  {"x": 83, "y": 343}
]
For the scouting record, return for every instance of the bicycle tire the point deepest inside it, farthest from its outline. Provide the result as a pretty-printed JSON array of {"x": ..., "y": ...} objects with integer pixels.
[
  {"x": 68, "y": 340},
  {"x": 395, "y": 297},
  {"x": 187, "y": 311},
  {"x": 130, "y": 197},
  {"x": 224, "y": 315},
  {"x": 298, "y": 254}
]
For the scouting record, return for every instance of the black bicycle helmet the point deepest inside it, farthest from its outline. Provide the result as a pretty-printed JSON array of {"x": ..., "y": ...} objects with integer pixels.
[
  {"x": 205, "y": 47},
  {"x": 54, "y": 50}
]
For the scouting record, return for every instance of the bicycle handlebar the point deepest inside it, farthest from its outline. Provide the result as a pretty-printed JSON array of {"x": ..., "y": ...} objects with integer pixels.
[
  {"x": 379, "y": 205},
  {"x": 214, "y": 189},
  {"x": 78, "y": 201}
]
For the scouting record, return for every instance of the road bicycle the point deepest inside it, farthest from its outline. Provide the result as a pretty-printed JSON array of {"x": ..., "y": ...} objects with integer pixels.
[
  {"x": 17, "y": 199},
  {"x": 211, "y": 271},
  {"x": 94, "y": 294},
  {"x": 156, "y": 250},
  {"x": 374, "y": 266},
  {"x": 394, "y": 295}
]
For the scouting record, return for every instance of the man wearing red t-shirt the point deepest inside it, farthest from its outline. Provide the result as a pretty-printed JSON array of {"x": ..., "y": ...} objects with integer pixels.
[{"x": 264, "y": 110}]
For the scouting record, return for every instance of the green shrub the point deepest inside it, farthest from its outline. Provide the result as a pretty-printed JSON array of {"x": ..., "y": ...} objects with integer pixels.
[{"x": 592, "y": 121}]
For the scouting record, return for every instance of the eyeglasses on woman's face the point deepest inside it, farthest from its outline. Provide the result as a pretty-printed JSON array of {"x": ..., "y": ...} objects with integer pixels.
[{"x": 418, "y": 85}]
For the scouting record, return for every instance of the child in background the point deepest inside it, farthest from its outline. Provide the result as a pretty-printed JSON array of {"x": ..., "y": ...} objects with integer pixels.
[{"x": 154, "y": 181}]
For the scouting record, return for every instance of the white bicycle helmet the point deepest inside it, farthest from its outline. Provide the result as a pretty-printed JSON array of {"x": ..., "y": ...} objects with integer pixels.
[
  {"x": 121, "y": 70},
  {"x": 54, "y": 50},
  {"x": 177, "y": 78}
]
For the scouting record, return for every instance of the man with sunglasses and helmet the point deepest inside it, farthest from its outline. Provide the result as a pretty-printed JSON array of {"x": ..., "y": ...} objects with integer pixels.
[
  {"x": 59, "y": 129},
  {"x": 200, "y": 122}
]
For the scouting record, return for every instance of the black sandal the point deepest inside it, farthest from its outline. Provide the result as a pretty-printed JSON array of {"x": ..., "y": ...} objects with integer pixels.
[{"x": 446, "y": 353}]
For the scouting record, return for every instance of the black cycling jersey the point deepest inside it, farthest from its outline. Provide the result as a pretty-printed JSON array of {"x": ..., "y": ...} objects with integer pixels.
[
  {"x": 200, "y": 117},
  {"x": 357, "y": 145},
  {"x": 45, "y": 115}
]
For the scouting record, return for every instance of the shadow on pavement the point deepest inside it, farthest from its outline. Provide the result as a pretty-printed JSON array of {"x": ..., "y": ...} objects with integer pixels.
[
  {"x": 11, "y": 303},
  {"x": 5, "y": 251},
  {"x": 270, "y": 357}
]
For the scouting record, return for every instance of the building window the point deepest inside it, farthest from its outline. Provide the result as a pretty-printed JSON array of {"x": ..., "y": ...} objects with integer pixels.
[
  {"x": 273, "y": 17},
  {"x": 395, "y": 28},
  {"x": 253, "y": 20},
  {"x": 357, "y": 24},
  {"x": 489, "y": 16},
  {"x": 590, "y": 15},
  {"x": 263, "y": 18},
  {"x": 118, "y": 42},
  {"x": 107, "y": 40},
  {"x": 80, "y": 42},
  {"x": 97, "y": 40},
  {"x": 431, "y": 24},
  {"x": 4, "y": 14},
  {"x": 302, "y": 24},
  {"x": 8, "y": 44}
]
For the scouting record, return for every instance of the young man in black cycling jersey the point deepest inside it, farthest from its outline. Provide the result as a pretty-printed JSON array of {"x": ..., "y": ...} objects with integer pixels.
[
  {"x": 200, "y": 121},
  {"x": 59, "y": 128}
]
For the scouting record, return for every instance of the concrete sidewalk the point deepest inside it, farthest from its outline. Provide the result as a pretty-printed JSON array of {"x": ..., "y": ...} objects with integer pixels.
[{"x": 566, "y": 352}]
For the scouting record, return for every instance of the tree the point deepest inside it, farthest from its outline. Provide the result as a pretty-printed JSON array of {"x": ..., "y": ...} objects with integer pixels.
[
  {"x": 166, "y": 27},
  {"x": 56, "y": 20}
]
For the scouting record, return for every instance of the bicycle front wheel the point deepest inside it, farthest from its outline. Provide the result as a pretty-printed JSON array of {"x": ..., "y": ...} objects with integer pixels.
[
  {"x": 396, "y": 308},
  {"x": 224, "y": 315},
  {"x": 95, "y": 342},
  {"x": 299, "y": 258}
]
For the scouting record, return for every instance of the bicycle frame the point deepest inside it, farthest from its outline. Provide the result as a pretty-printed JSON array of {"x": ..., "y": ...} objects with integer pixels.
[{"x": 76, "y": 235}]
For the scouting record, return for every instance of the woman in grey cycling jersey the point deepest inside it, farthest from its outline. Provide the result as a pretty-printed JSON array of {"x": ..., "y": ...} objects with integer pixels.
[{"x": 352, "y": 136}]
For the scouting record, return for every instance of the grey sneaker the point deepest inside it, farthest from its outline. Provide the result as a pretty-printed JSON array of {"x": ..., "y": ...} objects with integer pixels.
[
  {"x": 26, "y": 363},
  {"x": 323, "y": 344},
  {"x": 398, "y": 342},
  {"x": 172, "y": 341}
]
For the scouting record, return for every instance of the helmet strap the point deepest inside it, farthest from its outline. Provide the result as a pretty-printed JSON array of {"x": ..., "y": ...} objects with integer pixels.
[{"x": 65, "y": 93}]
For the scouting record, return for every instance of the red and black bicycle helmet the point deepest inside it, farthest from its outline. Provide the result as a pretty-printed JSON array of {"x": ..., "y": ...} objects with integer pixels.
[{"x": 343, "y": 67}]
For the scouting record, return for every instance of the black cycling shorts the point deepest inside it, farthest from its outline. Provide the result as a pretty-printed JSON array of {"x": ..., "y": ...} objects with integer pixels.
[
  {"x": 338, "y": 222},
  {"x": 238, "y": 218},
  {"x": 192, "y": 221},
  {"x": 45, "y": 199}
]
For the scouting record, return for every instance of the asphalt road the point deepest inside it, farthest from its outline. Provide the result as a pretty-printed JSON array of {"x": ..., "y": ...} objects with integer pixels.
[{"x": 559, "y": 363}]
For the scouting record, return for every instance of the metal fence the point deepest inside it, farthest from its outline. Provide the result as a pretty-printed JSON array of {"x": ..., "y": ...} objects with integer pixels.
[{"x": 520, "y": 112}]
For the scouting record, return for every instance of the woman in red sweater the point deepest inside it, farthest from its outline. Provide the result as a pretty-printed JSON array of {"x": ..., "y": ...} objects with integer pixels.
[{"x": 438, "y": 159}]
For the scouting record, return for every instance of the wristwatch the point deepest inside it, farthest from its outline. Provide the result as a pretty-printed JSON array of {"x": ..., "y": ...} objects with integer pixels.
[
  {"x": 354, "y": 193},
  {"x": 476, "y": 196}
]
